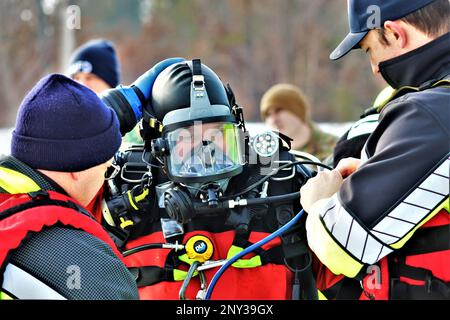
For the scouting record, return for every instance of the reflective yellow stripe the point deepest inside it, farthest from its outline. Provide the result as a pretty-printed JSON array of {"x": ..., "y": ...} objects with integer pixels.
[
  {"x": 180, "y": 275},
  {"x": 439, "y": 84},
  {"x": 401, "y": 243},
  {"x": 321, "y": 295},
  {"x": 4, "y": 296},
  {"x": 15, "y": 182},
  {"x": 243, "y": 263},
  {"x": 394, "y": 93},
  {"x": 186, "y": 259},
  {"x": 328, "y": 251},
  {"x": 384, "y": 96}
]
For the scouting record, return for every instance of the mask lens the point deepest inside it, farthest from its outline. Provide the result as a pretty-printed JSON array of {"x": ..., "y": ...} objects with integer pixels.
[{"x": 204, "y": 150}]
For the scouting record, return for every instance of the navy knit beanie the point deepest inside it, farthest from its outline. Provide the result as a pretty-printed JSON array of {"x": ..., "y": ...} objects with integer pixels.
[
  {"x": 63, "y": 126},
  {"x": 98, "y": 57}
]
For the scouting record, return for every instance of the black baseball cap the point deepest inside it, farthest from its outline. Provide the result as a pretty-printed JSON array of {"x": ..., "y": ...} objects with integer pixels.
[{"x": 364, "y": 15}]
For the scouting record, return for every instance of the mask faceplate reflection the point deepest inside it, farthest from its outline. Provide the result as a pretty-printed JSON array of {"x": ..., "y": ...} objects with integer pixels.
[{"x": 204, "y": 150}]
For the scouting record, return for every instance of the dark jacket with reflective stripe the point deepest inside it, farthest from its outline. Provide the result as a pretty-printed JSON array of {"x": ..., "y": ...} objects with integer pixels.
[{"x": 403, "y": 182}]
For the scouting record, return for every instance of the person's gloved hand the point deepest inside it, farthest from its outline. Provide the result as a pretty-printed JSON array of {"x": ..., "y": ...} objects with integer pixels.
[{"x": 128, "y": 101}]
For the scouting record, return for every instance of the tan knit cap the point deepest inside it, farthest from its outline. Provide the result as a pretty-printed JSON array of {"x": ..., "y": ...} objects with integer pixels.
[{"x": 285, "y": 96}]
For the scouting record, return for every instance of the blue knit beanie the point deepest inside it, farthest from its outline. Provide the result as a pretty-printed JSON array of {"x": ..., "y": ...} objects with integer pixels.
[
  {"x": 63, "y": 126},
  {"x": 98, "y": 57}
]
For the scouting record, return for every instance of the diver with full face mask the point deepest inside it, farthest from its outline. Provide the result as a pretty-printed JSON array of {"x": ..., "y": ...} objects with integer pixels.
[{"x": 209, "y": 192}]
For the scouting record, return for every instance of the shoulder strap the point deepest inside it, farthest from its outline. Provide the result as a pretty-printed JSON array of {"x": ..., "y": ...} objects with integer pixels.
[
  {"x": 18, "y": 212},
  {"x": 20, "y": 178},
  {"x": 432, "y": 288},
  {"x": 427, "y": 240},
  {"x": 40, "y": 199}
]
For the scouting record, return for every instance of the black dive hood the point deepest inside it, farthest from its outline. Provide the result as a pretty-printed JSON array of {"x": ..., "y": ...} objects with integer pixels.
[
  {"x": 187, "y": 92},
  {"x": 186, "y": 96}
]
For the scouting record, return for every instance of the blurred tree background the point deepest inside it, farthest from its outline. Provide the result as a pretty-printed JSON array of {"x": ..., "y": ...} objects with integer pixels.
[{"x": 251, "y": 44}]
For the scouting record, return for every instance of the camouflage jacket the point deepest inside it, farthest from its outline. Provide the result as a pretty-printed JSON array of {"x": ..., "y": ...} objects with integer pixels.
[{"x": 321, "y": 143}]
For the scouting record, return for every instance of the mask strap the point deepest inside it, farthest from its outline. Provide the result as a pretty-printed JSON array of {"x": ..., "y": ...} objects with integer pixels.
[{"x": 199, "y": 96}]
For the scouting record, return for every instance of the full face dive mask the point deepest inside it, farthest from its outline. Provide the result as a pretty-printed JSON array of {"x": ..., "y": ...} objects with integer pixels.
[{"x": 201, "y": 142}]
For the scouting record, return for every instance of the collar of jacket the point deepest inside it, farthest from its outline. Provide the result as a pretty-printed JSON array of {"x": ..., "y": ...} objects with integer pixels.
[{"x": 429, "y": 62}]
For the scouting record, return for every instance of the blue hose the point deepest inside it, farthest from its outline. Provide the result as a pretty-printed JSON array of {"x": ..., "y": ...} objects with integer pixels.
[{"x": 260, "y": 243}]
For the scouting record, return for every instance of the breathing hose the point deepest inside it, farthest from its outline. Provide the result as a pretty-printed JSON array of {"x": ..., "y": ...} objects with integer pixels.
[
  {"x": 260, "y": 243},
  {"x": 150, "y": 246}
]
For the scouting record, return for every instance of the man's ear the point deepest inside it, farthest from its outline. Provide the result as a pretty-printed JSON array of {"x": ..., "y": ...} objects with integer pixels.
[{"x": 396, "y": 33}]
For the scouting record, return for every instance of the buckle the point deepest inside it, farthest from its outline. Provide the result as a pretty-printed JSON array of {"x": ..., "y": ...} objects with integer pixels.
[
  {"x": 133, "y": 172},
  {"x": 198, "y": 82},
  {"x": 40, "y": 194}
]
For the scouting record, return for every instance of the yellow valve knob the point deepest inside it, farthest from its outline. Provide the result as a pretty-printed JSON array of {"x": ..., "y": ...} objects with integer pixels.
[{"x": 199, "y": 248}]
